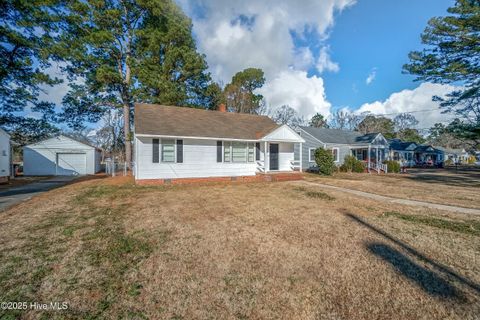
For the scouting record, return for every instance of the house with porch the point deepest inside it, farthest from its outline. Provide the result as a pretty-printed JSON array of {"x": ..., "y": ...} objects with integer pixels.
[
  {"x": 179, "y": 144},
  {"x": 403, "y": 152},
  {"x": 457, "y": 156},
  {"x": 427, "y": 155},
  {"x": 371, "y": 148}
]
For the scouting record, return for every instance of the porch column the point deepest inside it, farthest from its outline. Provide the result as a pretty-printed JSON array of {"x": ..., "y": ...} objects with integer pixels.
[
  {"x": 300, "y": 167},
  {"x": 265, "y": 157},
  {"x": 368, "y": 159}
]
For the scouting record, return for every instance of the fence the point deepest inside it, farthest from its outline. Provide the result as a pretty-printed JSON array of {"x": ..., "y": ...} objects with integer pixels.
[{"x": 117, "y": 168}]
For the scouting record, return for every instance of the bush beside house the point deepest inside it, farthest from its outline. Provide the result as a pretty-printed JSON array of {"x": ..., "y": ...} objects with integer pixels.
[
  {"x": 325, "y": 161},
  {"x": 392, "y": 166},
  {"x": 352, "y": 164}
]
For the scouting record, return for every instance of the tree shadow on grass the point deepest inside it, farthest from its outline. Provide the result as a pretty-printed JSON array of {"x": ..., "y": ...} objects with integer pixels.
[
  {"x": 429, "y": 281},
  {"x": 440, "y": 268}
]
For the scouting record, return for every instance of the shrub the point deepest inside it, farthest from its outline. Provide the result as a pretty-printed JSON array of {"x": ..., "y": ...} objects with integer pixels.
[
  {"x": 352, "y": 164},
  {"x": 392, "y": 166},
  {"x": 324, "y": 160},
  {"x": 448, "y": 162}
]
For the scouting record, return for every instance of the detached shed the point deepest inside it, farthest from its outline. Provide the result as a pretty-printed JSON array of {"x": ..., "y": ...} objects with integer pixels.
[{"x": 61, "y": 156}]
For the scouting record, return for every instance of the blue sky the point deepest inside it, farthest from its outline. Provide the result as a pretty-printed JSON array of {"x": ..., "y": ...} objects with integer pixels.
[
  {"x": 376, "y": 35},
  {"x": 318, "y": 54}
]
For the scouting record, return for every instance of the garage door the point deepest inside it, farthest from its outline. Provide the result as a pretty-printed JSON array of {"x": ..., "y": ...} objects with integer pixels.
[{"x": 71, "y": 164}]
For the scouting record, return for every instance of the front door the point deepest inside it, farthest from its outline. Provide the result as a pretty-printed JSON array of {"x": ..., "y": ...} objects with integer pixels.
[{"x": 274, "y": 156}]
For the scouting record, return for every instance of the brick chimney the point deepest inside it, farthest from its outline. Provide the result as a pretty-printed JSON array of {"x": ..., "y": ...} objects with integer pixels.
[{"x": 222, "y": 108}]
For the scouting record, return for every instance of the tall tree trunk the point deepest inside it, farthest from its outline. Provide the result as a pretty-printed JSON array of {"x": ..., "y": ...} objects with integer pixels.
[{"x": 126, "y": 130}]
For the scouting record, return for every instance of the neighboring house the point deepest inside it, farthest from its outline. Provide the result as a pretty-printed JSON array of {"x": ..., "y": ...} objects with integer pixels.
[
  {"x": 403, "y": 152},
  {"x": 428, "y": 155},
  {"x": 60, "y": 155},
  {"x": 455, "y": 155},
  {"x": 5, "y": 156},
  {"x": 179, "y": 142},
  {"x": 372, "y": 148}
]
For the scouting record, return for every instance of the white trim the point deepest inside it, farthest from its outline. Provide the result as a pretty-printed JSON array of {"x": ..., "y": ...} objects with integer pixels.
[
  {"x": 174, "y": 151},
  {"x": 338, "y": 154},
  {"x": 284, "y": 126},
  {"x": 310, "y": 154}
]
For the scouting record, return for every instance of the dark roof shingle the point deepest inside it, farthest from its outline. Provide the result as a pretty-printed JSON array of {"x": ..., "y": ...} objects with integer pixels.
[{"x": 191, "y": 122}]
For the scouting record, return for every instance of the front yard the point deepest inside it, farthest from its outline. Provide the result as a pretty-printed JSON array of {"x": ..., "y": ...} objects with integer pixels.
[
  {"x": 450, "y": 186},
  {"x": 111, "y": 249}
]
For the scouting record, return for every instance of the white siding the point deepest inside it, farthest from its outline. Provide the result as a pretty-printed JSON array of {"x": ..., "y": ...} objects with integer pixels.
[
  {"x": 41, "y": 158},
  {"x": 199, "y": 160},
  {"x": 285, "y": 156},
  {"x": 4, "y": 154}
]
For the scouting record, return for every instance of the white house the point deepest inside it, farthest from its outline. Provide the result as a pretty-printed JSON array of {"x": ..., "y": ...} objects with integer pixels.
[
  {"x": 5, "y": 155},
  {"x": 178, "y": 142},
  {"x": 60, "y": 155}
]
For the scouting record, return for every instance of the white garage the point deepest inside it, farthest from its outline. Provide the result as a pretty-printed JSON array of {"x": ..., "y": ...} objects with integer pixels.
[{"x": 61, "y": 156}]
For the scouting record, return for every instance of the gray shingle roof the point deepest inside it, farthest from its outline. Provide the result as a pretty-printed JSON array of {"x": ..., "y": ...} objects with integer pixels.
[
  {"x": 191, "y": 122},
  {"x": 399, "y": 145},
  {"x": 340, "y": 136}
]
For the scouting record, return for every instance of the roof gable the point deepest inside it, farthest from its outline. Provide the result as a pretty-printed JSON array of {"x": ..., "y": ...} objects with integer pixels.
[
  {"x": 58, "y": 139},
  {"x": 283, "y": 133},
  {"x": 159, "y": 120}
]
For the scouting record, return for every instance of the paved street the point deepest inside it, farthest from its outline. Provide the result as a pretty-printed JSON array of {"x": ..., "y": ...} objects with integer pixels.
[{"x": 22, "y": 193}]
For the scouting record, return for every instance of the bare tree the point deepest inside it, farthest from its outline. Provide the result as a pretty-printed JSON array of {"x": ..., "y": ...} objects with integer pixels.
[
  {"x": 289, "y": 116},
  {"x": 345, "y": 120},
  {"x": 405, "y": 121},
  {"x": 110, "y": 136}
]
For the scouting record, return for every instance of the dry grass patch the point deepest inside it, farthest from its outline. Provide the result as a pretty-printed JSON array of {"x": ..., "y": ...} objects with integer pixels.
[
  {"x": 412, "y": 186},
  {"x": 264, "y": 251}
]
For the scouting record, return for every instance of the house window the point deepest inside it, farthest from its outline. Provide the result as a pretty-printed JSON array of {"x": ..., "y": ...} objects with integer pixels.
[
  {"x": 311, "y": 155},
  {"x": 335, "y": 154},
  {"x": 227, "y": 151},
  {"x": 168, "y": 150},
  {"x": 239, "y": 152},
  {"x": 251, "y": 152},
  {"x": 4, "y": 153}
]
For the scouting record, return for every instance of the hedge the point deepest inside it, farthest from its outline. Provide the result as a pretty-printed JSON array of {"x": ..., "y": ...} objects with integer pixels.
[
  {"x": 325, "y": 162},
  {"x": 352, "y": 164},
  {"x": 392, "y": 166}
]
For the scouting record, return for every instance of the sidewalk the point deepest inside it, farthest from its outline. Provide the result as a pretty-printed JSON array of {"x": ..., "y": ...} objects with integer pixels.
[{"x": 397, "y": 200}]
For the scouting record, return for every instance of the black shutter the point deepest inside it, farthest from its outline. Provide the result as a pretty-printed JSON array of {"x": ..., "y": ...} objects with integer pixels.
[
  {"x": 219, "y": 151},
  {"x": 179, "y": 151},
  {"x": 155, "y": 150},
  {"x": 257, "y": 151}
]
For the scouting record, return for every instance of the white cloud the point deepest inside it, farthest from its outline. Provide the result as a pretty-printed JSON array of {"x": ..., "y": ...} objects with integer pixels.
[
  {"x": 371, "y": 76},
  {"x": 303, "y": 58},
  {"x": 293, "y": 87},
  {"x": 324, "y": 63},
  {"x": 417, "y": 99},
  {"x": 235, "y": 35}
]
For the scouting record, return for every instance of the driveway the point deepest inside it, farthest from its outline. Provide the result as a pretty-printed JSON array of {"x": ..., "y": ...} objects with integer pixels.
[{"x": 16, "y": 195}]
